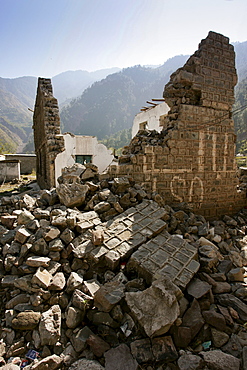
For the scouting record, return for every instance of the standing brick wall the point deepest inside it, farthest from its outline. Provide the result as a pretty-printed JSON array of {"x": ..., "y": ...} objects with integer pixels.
[
  {"x": 193, "y": 159},
  {"x": 27, "y": 162},
  {"x": 48, "y": 140}
]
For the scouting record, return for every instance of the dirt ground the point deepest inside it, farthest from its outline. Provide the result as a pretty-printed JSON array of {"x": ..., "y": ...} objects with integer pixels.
[{"x": 15, "y": 187}]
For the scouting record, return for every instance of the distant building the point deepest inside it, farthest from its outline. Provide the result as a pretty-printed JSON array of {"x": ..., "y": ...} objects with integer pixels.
[
  {"x": 12, "y": 166},
  {"x": 27, "y": 162},
  {"x": 54, "y": 150},
  {"x": 9, "y": 170},
  {"x": 82, "y": 149},
  {"x": 151, "y": 118}
]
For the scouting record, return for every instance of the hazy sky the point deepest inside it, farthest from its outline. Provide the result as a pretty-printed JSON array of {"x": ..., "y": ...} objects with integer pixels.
[{"x": 47, "y": 37}]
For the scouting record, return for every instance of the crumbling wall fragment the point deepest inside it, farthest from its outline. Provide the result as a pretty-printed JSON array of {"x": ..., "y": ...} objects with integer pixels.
[
  {"x": 48, "y": 140},
  {"x": 193, "y": 159}
]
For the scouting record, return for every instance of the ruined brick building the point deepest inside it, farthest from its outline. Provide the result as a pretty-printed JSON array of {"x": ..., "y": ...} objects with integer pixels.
[
  {"x": 47, "y": 135},
  {"x": 192, "y": 159},
  {"x": 55, "y": 150}
]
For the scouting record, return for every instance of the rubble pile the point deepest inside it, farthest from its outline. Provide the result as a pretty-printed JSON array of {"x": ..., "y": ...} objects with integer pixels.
[
  {"x": 117, "y": 280},
  {"x": 141, "y": 140},
  {"x": 145, "y": 139}
]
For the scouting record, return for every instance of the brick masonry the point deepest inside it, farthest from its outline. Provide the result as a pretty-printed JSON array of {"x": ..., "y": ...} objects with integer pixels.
[
  {"x": 48, "y": 140},
  {"x": 193, "y": 159},
  {"x": 166, "y": 256},
  {"x": 142, "y": 230}
]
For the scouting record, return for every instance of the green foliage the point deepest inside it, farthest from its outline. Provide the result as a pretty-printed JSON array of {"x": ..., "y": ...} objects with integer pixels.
[
  {"x": 107, "y": 108},
  {"x": 16, "y": 96},
  {"x": 241, "y": 161},
  {"x": 240, "y": 118},
  {"x": 241, "y": 58},
  {"x": 29, "y": 147},
  {"x": 117, "y": 141},
  {"x": 110, "y": 105},
  {"x": 10, "y": 137},
  {"x": 7, "y": 144}
]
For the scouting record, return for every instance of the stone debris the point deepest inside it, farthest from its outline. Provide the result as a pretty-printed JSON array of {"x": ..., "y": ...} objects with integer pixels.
[
  {"x": 121, "y": 356},
  {"x": 155, "y": 308},
  {"x": 187, "y": 160},
  {"x": 143, "y": 284},
  {"x": 101, "y": 273},
  {"x": 50, "y": 326}
]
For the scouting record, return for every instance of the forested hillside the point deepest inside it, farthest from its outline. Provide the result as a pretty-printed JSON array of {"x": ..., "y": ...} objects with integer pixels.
[
  {"x": 70, "y": 84},
  {"x": 17, "y": 96},
  {"x": 241, "y": 59},
  {"x": 106, "y": 108},
  {"x": 9, "y": 138},
  {"x": 240, "y": 116},
  {"x": 110, "y": 105}
]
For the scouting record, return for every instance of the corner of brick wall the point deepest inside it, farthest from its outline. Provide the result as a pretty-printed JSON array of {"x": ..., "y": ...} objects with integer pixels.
[{"x": 193, "y": 159}]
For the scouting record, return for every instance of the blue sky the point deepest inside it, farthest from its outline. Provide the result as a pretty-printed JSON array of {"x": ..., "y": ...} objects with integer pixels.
[{"x": 47, "y": 37}]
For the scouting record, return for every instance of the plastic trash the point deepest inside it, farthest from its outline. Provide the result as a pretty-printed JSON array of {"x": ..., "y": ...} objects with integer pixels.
[
  {"x": 206, "y": 345},
  {"x": 32, "y": 354}
]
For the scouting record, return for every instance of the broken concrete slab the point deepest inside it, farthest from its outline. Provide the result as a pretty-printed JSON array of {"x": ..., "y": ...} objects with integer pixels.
[
  {"x": 52, "y": 233},
  {"x": 190, "y": 361},
  {"x": 74, "y": 281},
  {"x": 37, "y": 261},
  {"x": 72, "y": 195},
  {"x": 81, "y": 300},
  {"x": 22, "y": 235},
  {"x": 215, "y": 319},
  {"x": 8, "y": 221},
  {"x": 24, "y": 217},
  {"x": 198, "y": 288},
  {"x": 219, "y": 338},
  {"x": 18, "y": 299},
  {"x": 58, "y": 282},
  {"x": 192, "y": 322},
  {"x": 71, "y": 174},
  {"x": 120, "y": 358},
  {"x": 10, "y": 367},
  {"x": 108, "y": 295},
  {"x": 97, "y": 236},
  {"x": 74, "y": 317},
  {"x": 166, "y": 256},
  {"x": 97, "y": 345},
  {"x": 155, "y": 308}
]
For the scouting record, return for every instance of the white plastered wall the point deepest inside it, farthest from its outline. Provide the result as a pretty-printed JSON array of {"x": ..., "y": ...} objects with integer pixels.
[
  {"x": 67, "y": 157},
  {"x": 151, "y": 116},
  {"x": 82, "y": 145},
  {"x": 89, "y": 145}
]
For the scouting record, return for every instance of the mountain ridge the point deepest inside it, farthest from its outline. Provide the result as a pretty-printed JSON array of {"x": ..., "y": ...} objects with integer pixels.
[
  {"x": 101, "y": 107},
  {"x": 114, "y": 101}
]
